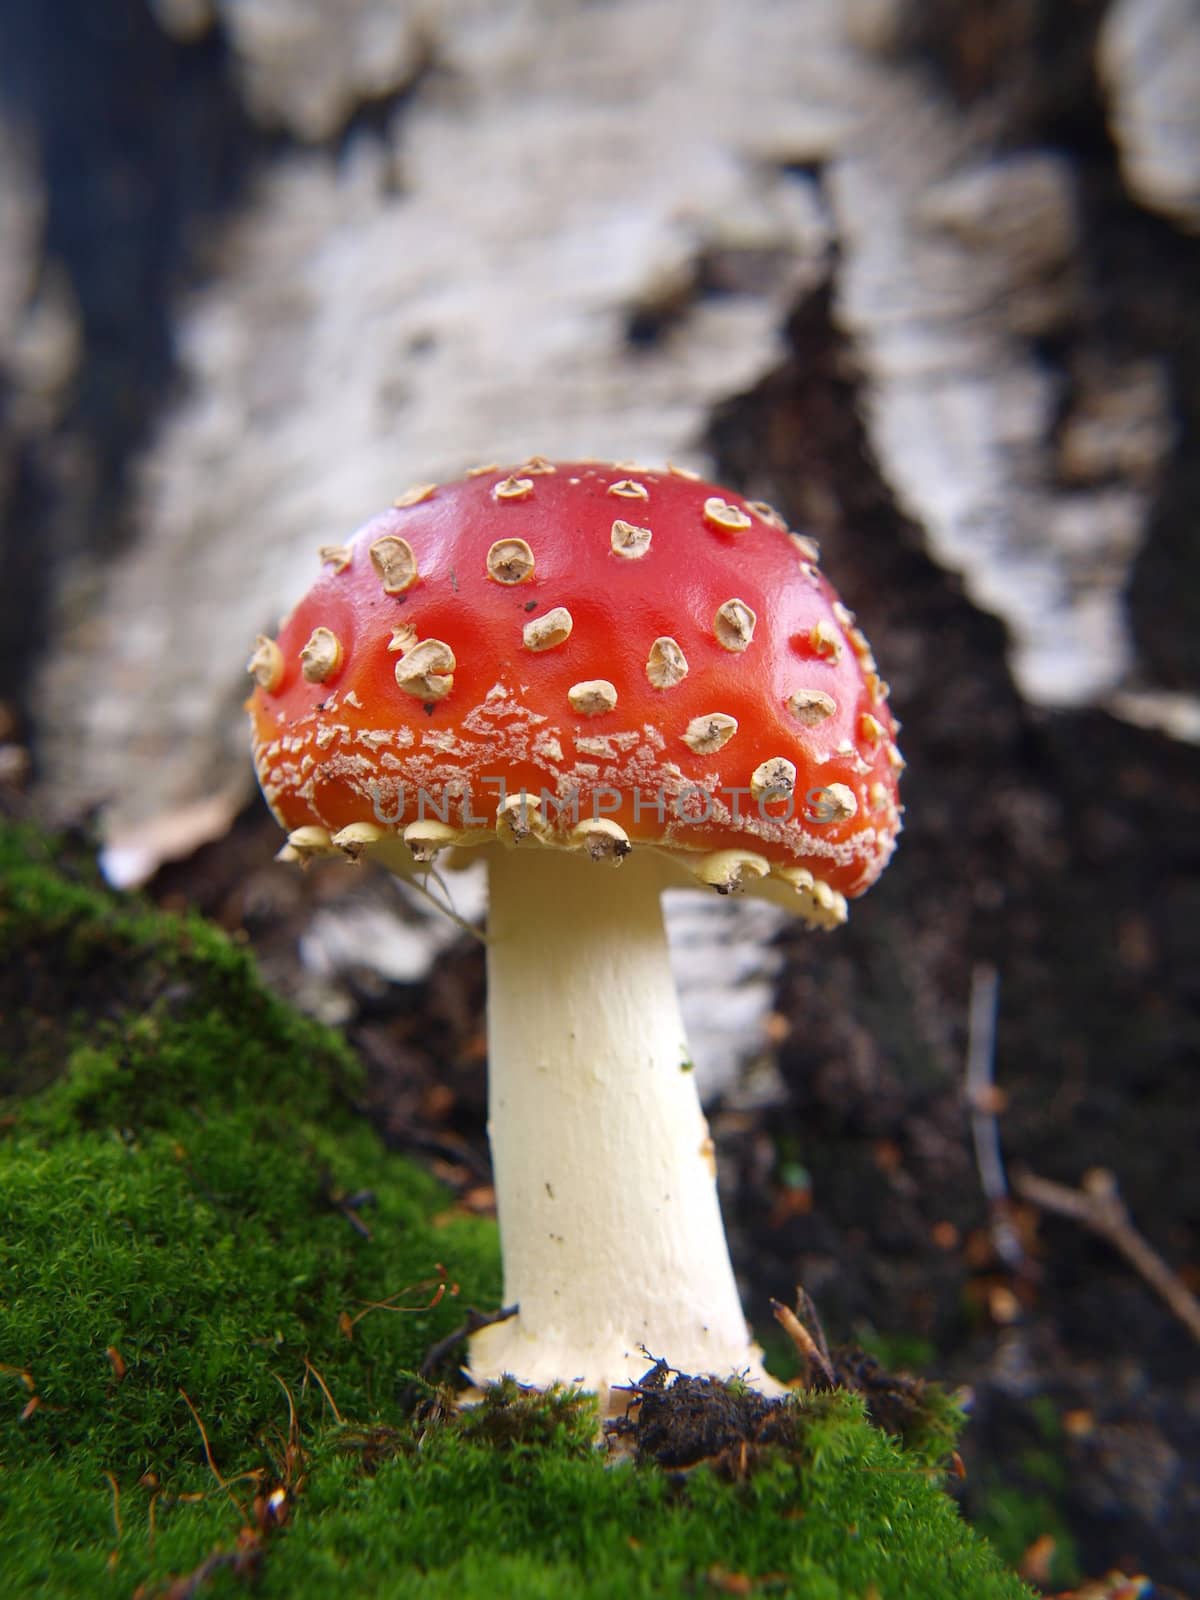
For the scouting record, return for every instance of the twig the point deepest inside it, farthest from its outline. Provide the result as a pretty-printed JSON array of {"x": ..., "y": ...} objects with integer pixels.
[
  {"x": 212, "y": 1465},
  {"x": 242, "y": 1561},
  {"x": 116, "y": 1506},
  {"x": 1097, "y": 1204},
  {"x": 806, "y": 1310},
  {"x": 440, "y": 1286},
  {"x": 293, "y": 1427},
  {"x": 445, "y": 905},
  {"x": 308, "y": 1367},
  {"x": 475, "y": 1320},
  {"x": 809, "y": 1351},
  {"x": 982, "y": 1101}
]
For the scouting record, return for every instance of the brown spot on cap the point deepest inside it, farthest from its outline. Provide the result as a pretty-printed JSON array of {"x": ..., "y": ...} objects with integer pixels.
[
  {"x": 824, "y": 640},
  {"x": 629, "y": 489},
  {"x": 510, "y": 561},
  {"x": 666, "y": 664},
  {"x": 834, "y": 803},
  {"x": 775, "y": 777},
  {"x": 602, "y": 839},
  {"x": 321, "y": 656},
  {"x": 395, "y": 563},
  {"x": 728, "y": 871},
  {"x": 720, "y": 514},
  {"x": 336, "y": 556},
  {"x": 629, "y": 540},
  {"x": 861, "y": 647},
  {"x": 356, "y": 839},
  {"x": 811, "y": 706},
  {"x": 543, "y": 633},
  {"x": 404, "y": 636},
  {"x": 309, "y": 841},
  {"x": 683, "y": 472},
  {"x": 807, "y": 549},
  {"x": 414, "y": 496},
  {"x": 482, "y": 471},
  {"x": 266, "y": 664},
  {"x": 427, "y": 670},
  {"x": 518, "y": 816},
  {"x": 768, "y": 513},
  {"x": 426, "y": 837},
  {"x": 870, "y": 731},
  {"x": 537, "y": 467},
  {"x": 709, "y": 733},
  {"x": 734, "y": 625},
  {"x": 593, "y": 697},
  {"x": 513, "y": 489}
]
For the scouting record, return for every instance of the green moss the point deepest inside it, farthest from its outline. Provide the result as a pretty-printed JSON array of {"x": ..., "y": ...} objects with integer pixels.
[{"x": 177, "y": 1255}]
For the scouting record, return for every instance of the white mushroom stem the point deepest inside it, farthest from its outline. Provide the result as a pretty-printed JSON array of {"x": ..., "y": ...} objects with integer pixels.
[{"x": 610, "y": 1226}]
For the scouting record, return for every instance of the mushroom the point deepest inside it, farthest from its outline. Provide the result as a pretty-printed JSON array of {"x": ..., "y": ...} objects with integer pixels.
[{"x": 603, "y": 708}]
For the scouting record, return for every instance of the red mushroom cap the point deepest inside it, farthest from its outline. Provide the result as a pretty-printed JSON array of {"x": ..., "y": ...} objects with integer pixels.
[{"x": 643, "y": 658}]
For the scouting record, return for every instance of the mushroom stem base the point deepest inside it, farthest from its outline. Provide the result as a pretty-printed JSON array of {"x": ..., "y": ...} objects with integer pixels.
[{"x": 610, "y": 1226}]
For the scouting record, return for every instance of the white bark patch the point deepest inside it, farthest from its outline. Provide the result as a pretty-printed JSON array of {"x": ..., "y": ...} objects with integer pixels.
[
  {"x": 357, "y": 333},
  {"x": 1149, "y": 58},
  {"x": 505, "y": 329},
  {"x": 956, "y": 261}
]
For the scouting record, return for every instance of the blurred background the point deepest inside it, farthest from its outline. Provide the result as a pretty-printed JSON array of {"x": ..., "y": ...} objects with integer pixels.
[{"x": 923, "y": 273}]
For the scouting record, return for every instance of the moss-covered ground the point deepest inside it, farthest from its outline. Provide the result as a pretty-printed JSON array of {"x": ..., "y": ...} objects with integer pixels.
[{"x": 216, "y": 1288}]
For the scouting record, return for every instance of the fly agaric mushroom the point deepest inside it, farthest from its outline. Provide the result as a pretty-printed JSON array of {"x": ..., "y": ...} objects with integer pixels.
[{"x": 574, "y": 668}]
